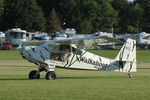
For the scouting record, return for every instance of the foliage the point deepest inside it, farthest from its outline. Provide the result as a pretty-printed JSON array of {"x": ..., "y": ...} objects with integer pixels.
[
  {"x": 25, "y": 14},
  {"x": 145, "y": 5},
  {"x": 53, "y": 23},
  {"x": 1, "y": 10},
  {"x": 86, "y": 25},
  {"x": 86, "y": 16},
  {"x": 122, "y": 6},
  {"x": 1, "y": 7},
  {"x": 131, "y": 29},
  {"x": 69, "y": 11},
  {"x": 106, "y": 17},
  {"x": 136, "y": 13}
]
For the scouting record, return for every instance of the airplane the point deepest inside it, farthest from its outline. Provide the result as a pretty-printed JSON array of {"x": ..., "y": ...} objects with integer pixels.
[{"x": 74, "y": 54}]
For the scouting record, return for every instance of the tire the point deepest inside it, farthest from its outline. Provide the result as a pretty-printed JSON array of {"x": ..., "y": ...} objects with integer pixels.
[
  {"x": 51, "y": 75},
  {"x": 32, "y": 75}
]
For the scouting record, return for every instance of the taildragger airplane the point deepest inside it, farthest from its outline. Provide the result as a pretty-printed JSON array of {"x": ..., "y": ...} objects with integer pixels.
[{"x": 73, "y": 54}]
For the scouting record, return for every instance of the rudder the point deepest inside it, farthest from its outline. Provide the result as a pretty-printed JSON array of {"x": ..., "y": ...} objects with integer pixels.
[{"x": 126, "y": 58}]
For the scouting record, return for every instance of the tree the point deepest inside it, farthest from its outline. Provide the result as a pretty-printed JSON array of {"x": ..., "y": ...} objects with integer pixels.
[
  {"x": 88, "y": 16},
  {"x": 136, "y": 13},
  {"x": 122, "y": 7},
  {"x": 25, "y": 14},
  {"x": 106, "y": 17},
  {"x": 1, "y": 10},
  {"x": 47, "y": 6},
  {"x": 69, "y": 12},
  {"x": 145, "y": 22},
  {"x": 85, "y": 26},
  {"x": 1, "y": 7},
  {"x": 53, "y": 23}
]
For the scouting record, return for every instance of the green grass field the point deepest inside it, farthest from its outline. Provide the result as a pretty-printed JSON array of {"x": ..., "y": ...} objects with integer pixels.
[{"x": 73, "y": 84}]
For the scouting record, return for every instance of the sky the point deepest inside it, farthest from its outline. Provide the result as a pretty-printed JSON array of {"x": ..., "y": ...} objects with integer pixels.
[{"x": 130, "y": 0}]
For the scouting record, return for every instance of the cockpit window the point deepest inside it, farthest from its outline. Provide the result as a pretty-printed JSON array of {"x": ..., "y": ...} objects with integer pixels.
[
  {"x": 56, "y": 49},
  {"x": 60, "y": 52}
]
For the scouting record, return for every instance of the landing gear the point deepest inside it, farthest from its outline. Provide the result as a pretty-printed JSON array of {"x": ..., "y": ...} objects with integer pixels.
[
  {"x": 130, "y": 76},
  {"x": 51, "y": 75},
  {"x": 34, "y": 75}
]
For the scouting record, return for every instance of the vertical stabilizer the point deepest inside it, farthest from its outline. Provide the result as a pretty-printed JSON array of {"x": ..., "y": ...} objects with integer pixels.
[{"x": 126, "y": 58}]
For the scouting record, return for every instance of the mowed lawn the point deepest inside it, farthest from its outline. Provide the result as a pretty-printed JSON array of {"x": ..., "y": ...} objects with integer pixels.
[{"x": 73, "y": 84}]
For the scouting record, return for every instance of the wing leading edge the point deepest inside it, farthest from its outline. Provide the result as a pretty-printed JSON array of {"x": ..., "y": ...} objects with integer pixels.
[{"x": 82, "y": 42}]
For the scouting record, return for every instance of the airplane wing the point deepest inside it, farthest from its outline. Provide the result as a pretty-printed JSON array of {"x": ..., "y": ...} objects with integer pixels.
[
  {"x": 62, "y": 40},
  {"x": 81, "y": 42},
  {"x": 89, "y": 42}
]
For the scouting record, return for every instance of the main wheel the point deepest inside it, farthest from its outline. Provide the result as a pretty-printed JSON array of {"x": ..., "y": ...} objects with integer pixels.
[
  {"x": 51, "y": 75},
  {"x": 33, "y": 75}
]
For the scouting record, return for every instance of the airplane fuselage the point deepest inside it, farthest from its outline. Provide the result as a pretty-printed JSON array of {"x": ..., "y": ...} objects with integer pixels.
[{"x": 80, "y": 59}]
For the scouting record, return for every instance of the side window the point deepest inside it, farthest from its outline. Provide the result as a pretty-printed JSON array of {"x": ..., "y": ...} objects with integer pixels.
[
  {"x": 60, "y": 53},
  {"x": 65, "y": 49},
  {"x": 56, "y": 49},
  {"x": 76, "y": 51}
]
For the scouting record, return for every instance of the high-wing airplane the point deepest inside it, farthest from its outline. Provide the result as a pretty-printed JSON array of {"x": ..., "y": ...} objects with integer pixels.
[{"x": 73, "y": 54}]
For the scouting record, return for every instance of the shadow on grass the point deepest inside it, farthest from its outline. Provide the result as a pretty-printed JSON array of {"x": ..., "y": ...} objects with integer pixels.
[
  {"x": 97, "y": 77},
  {"x": 59, "y": 78},
  {"x": 14, "y": 79},
  {"x": 143, "y": 68},
  {"x": 5, "y": 79},
  {"x": 75, "y": 78},
  {"x": 14, "y": 66}
]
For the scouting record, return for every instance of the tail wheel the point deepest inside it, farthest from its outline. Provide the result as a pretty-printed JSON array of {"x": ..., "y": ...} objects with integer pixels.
[
  {"x": 33, "y": 75},
  {"x": 130, "y": 76},
  {"x": 51, "y": 75}
]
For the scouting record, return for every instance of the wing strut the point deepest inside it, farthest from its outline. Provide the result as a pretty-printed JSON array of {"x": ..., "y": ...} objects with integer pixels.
[{"x": 71, "y": 63}]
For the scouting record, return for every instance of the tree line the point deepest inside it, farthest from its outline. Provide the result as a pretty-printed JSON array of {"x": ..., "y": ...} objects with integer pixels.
[{"x": 86, "y": 16}]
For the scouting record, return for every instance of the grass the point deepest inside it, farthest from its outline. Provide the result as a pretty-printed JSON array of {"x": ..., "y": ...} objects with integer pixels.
[
  {"x": 9, "y": 55},
  {"x": 73, "y": 84}
]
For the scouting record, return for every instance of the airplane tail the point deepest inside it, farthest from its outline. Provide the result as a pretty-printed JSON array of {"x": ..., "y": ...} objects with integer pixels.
[{"x": 126, "y": 58}]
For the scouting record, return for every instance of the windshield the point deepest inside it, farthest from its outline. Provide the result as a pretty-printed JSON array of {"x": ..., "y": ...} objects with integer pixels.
[
  {"x": 18, "y": 35},
  {"x": 60, "y": 52}
]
